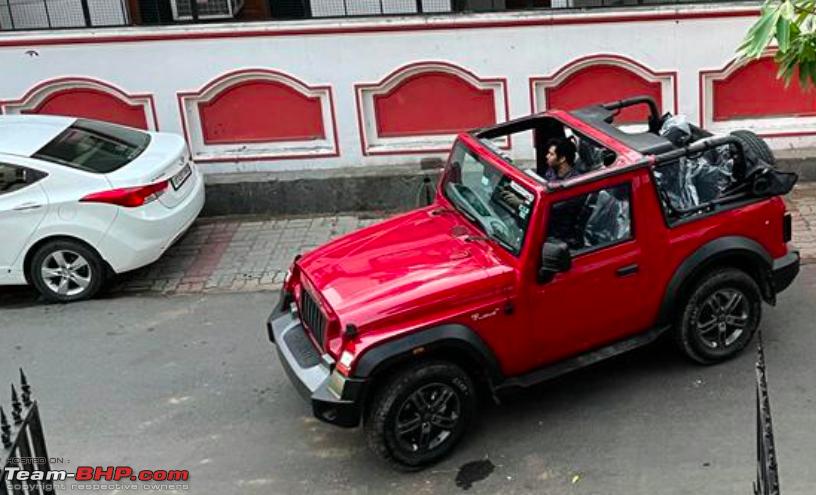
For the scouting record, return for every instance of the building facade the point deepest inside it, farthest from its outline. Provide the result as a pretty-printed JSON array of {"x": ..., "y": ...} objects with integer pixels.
[{"x": 389, "y": 90}]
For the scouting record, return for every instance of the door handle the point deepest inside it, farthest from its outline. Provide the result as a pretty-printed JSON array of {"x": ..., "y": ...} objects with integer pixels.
[
  {"x": 627, "y": 270},
  {"x": 27, "y": 206}
]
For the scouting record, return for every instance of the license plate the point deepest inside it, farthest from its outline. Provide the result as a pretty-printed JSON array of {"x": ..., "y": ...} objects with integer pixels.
[{"x": 180, "y": 178}]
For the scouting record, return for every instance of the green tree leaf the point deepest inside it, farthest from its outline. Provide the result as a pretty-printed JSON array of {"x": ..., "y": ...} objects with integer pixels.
[
  {"x": 783, "y": 32},
  {"x": 804, "y": 73}
]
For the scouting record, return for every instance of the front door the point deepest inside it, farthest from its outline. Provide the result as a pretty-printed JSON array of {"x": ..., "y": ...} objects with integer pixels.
[
  {"x": 23, "y": 204},
  {"x": 596, "y": 301}
]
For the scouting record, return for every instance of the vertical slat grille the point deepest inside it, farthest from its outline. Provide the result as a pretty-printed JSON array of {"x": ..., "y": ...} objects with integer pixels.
[{"x": 312, "y": 317}]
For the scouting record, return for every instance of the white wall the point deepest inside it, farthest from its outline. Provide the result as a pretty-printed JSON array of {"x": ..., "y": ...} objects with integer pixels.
[{"x": 529, "y": 45}]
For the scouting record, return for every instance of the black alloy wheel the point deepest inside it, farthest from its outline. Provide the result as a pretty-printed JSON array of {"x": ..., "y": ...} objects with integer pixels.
[
  {"x": 722, "y": 319},
  {"x": 427, "y": 418},
  {"x": 720, "y": 316},
  {"x": 419, "y": 413}
]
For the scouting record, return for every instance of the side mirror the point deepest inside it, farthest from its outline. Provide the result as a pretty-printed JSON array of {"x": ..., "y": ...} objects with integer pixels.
[{"x": 555, "y": 258}]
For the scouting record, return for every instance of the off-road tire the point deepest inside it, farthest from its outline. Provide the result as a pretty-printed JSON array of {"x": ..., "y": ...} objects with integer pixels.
[
  {"x": 699, "y": 311},
  {"x": 95, "y": 271},
  {"x": 393, "y": 398},
  {"x": 755, "y": 144}
]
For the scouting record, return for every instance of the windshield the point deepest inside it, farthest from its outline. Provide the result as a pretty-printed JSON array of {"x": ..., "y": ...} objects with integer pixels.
[
  {"x": 496, "y": 203},
  {"x": 95, "y": 146}
]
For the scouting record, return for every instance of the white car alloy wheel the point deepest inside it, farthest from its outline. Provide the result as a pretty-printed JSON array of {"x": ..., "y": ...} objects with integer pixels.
[
  {"x": 66, "y": 273},
  {"x": 65, "y": 270}
]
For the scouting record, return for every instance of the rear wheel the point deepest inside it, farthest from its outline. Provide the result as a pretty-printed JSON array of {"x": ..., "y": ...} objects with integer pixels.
[
  {"x": 720, "y": 316},
  {"x": 419, "y": 414},
  {"x": 66, "y": 271}
]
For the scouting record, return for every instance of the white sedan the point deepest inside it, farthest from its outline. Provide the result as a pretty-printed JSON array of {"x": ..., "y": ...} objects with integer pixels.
[{"x": 81, "y": 200}]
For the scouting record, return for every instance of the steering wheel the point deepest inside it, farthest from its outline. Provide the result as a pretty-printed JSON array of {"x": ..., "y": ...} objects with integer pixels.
[
  {"x": 492, "y": 225},
  {"x": 499, "y": 229}
]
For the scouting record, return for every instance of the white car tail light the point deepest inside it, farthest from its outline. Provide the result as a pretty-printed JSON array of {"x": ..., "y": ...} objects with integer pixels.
[{"x": 129, "y": 197}]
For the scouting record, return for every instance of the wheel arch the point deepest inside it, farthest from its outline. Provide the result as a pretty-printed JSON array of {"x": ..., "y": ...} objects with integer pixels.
[
  {"x": 732, "y": 251},
  {"x": 27, "y": 260},
  {"x": 455, "y": 343}
]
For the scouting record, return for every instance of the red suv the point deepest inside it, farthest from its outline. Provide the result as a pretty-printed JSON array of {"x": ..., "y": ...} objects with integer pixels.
[{"x": 509, "y": 279}]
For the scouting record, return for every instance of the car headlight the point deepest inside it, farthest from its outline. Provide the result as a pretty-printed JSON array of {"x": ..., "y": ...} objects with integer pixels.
[
  {"x": 344, "y": 365},
  {"x": 345, "y": 359}
]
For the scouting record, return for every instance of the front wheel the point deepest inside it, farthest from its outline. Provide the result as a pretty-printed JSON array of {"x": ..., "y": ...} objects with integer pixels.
[
  {"x": 720, "y": 316},
  {"x": 66, "y": 271},
  {"x": 418, "y": 416}
]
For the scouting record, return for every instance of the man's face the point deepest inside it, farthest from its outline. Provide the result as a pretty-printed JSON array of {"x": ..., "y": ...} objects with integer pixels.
[{"x": 552, "y": 157}]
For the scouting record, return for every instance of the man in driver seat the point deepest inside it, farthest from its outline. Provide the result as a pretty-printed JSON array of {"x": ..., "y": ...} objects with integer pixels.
[
  {"x": 560, "y": 166},
  {"x": 560, "y": 160}
]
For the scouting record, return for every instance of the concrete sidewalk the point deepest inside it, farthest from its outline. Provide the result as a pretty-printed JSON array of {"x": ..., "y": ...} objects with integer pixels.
[
  {"x": 237, "y": 254},
  {"x": 802, "y": 205}
]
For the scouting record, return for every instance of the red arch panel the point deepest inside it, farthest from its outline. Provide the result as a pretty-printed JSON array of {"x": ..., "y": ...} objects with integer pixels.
[
  {"x": 602, "y": 83},
  {"x": 93, "y": 104},
  {"x": 433, "y": 103},
  {"x": 261, "y": 111},
  {"x": 754, "y": 91}
]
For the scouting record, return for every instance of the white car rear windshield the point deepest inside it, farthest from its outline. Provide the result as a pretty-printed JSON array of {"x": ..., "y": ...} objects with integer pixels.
[{"x": 95, "y": 146}]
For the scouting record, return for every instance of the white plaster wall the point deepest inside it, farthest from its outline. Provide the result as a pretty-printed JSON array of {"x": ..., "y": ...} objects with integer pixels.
[{"x": 516, "y": 53}]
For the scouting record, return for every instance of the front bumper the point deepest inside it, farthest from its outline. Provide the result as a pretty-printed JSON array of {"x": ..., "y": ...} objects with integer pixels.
[
  {"x": 784, "y": 271},
  {"x": 335, "y": 399}
]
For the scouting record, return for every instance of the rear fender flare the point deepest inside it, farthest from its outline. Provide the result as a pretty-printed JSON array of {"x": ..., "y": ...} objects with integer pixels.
[{"x": 707, "y": 255}]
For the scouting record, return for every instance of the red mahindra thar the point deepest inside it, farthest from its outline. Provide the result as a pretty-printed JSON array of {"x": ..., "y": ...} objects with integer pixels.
[{"x": 520, "y": 272}]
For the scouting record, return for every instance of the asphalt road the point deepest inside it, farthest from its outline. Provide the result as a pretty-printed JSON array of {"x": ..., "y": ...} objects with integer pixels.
[{"x": 192, "y": 383}]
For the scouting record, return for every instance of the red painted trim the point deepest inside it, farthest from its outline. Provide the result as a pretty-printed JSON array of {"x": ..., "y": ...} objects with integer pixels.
[
  {"x": 391, "y": 116},
  {"x": 718, "y": 72},
  {"x": 702, "y": 89},
  {"x": 181, "y": 95},
  {"x": 601, "y": 60},
  {"x": 549, "y": 20},
  {"x": 113, "y": 90},
  {"x": 315, "y": 103},
  {"x": 364, "y": 146},
  {"x": 722, "y": 84}
]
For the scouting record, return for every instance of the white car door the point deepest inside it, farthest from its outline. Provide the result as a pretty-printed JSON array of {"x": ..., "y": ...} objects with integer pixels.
[{"x": 23, "y": 205}]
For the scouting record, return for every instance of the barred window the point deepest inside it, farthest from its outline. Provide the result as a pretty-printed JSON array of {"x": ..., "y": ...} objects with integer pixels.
[
  {"x": 55, "y": 14},
  {"x": 342, "y": 8}
]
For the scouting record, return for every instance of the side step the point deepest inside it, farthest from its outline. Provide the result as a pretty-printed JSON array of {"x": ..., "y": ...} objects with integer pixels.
[{"x": 582, "y": 360}]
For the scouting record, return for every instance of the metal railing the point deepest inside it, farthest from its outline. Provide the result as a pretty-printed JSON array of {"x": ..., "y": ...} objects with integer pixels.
[
  {"x": 18, "y": 15},
  {"x": 22, "y": 443},
  {"x": 767, "y": 482},
  {"x": 60, "y": 14}
]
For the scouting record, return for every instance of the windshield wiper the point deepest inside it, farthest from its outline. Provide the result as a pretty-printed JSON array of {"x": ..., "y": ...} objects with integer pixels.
[
  {"x": 494, "y": 237},
  {"x": 489, "y": 232},
  {"x": 463, "y": 207}
]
